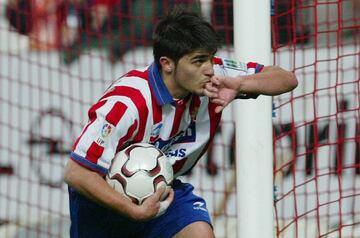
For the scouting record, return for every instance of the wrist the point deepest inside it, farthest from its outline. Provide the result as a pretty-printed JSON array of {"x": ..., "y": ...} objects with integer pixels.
[
  {"x": 133, "y": 212},
  {"x": 239, "y": 86}
]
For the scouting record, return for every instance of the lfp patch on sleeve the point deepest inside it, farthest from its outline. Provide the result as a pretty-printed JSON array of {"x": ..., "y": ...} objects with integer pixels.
[
  {"x": 235, "y": 65},
  {"x": 104, "y": 134}
]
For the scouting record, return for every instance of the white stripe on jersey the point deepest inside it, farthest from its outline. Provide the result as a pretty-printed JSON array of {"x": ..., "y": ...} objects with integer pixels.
[{"x": 167, "y": 121}]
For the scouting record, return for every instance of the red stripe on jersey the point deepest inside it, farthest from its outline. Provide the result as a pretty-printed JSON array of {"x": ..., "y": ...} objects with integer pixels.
[
  {"x": 113, "y": 91},
  {"x": 138, "y": 99},
  {"x": 258, "y": 67},
  {"x": 251, "y": 65},
  {"x": 217, "y": 60},
  {"x": 137, "y": 73},
  {"x": 94, "y": 152},
  {"x": 180, "y": 108},
  {"x": 194, "y": 107},
  {"x": 116, "y": 113},
  {"x": 126, "y": 138},
  {"x": 92, "y": 118},
  {"x": 92, "y": 110}
]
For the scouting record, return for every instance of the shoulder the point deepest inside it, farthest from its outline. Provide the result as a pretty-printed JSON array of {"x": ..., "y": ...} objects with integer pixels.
[
  {"x": 133, "y": 84},
  {"x": 131, "y": 89}
]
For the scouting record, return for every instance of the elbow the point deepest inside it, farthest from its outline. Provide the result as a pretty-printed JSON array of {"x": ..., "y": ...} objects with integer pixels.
[
  {"x": 67, "y": 175},
  {"x": 69, "y": 172},
  {"x": 293, "y": 82},
  {"x": 289, "y": 79},
  {"x": 286, "y": 80}
]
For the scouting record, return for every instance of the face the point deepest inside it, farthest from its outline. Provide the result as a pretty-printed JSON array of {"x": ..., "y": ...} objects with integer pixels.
[{"x": 192, "y": 72}]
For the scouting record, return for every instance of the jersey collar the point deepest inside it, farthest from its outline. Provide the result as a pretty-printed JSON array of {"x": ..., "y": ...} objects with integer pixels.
[{"x": 158, "y": 86}]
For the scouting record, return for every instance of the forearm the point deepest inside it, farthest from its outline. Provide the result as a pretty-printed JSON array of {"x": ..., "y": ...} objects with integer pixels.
[
  {"x": 93, "y": 186},
  {"x": 272, "y": 80}
]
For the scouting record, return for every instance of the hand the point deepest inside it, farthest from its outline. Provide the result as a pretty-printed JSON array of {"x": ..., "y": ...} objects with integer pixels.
[
  {"x": 221, "y": 91},
  {"x": 153, "y": 206}
]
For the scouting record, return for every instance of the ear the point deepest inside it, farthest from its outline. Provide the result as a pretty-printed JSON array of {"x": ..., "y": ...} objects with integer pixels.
[{"x": 167, "y": 64}]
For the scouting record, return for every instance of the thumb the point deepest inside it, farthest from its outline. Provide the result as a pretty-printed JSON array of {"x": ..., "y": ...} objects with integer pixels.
[
  {"x": 165, "y": 204},
  {"x": 158, "y": 193}
]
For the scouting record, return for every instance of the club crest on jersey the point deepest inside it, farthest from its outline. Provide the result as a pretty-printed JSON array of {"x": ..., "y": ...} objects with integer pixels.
[{"x": 106, "y": 130}]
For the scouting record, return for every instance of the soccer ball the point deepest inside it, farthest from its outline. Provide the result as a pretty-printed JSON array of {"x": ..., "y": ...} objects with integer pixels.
[{"x": 139, "y": 170}]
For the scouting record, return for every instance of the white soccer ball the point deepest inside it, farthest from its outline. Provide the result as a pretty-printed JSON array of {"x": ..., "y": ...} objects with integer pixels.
[{"x": 139, "y": 170}]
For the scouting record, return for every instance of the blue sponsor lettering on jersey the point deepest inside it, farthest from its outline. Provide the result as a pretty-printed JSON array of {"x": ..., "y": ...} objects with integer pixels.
[
  {"x": 176, "y": 153},
  {"x": 186, "y": 136},
  {"x": 156, "y": 129}
]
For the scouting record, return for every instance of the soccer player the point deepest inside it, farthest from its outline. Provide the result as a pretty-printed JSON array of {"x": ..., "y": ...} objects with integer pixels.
[{"x": 175, "y": 103}]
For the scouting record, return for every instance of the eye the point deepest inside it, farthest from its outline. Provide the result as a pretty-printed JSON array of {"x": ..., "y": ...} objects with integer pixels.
[
  {"x": 199, "y": 61},
  {"x": 202, "y": 60}
]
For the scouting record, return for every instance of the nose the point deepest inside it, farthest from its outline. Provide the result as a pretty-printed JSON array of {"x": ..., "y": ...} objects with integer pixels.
[{"x": 208, "y": 69}]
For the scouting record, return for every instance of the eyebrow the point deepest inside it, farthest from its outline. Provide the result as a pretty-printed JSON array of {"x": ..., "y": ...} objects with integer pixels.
[{"x": 201, "y": 56}]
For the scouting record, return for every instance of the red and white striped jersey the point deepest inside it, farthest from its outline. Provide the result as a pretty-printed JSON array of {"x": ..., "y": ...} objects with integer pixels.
[{"x": 139, "y": 108}]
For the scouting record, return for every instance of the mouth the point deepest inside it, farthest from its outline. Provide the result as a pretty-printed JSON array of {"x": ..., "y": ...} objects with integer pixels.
[{"x": 207, "y": 81}]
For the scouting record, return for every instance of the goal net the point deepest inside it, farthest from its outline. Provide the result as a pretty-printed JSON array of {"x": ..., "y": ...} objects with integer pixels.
[
  {"x": 316, "y": 128},
  {"x": 57, "y": 58}
]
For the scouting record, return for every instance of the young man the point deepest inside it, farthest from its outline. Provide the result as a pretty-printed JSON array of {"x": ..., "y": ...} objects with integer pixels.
[{"x": 175, "y": 104}]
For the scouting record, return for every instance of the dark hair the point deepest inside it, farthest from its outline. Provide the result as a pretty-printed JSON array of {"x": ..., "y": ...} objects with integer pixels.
[{"x": 181, "y": 32}]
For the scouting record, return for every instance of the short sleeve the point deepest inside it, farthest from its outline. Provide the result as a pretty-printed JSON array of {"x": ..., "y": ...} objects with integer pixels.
[
  {"x": 251, "y": 68},
  {"x": 111, "y": 122},
  {"x": 233, "y": 68}
]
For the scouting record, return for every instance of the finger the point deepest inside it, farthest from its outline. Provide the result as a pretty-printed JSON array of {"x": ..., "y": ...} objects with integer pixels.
[
  {"x": 159, "y": 191},
  {"x": 156, "y": 196},
  {"x": 170, "y": 196},
  {"x": 163, "y": 207},
  {"x": 215, "y": 80},
  {"x": 166, "y": 203},
  {"x": 210, "y": 91},
  {"x": 218, "y": 109},
  {"x": 218, "y": 101},
  {"x": 210, "y": 94},
  {"x": 210, "y": 87}
]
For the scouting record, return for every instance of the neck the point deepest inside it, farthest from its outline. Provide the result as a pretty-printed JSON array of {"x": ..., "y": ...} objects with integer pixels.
[{"x": 175, "y": 90}]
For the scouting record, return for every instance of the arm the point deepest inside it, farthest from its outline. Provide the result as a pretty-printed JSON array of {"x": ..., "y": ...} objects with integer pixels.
[
  {"x": 272, "y": 80},
  {"x": 93, "y": 186}
]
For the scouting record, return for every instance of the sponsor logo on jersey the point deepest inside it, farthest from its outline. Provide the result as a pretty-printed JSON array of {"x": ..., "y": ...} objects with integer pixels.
[
  {"x": 155, "y": 131},
  {"x": 186, "y": 136},
  {"x": 181, "y": 153}
]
